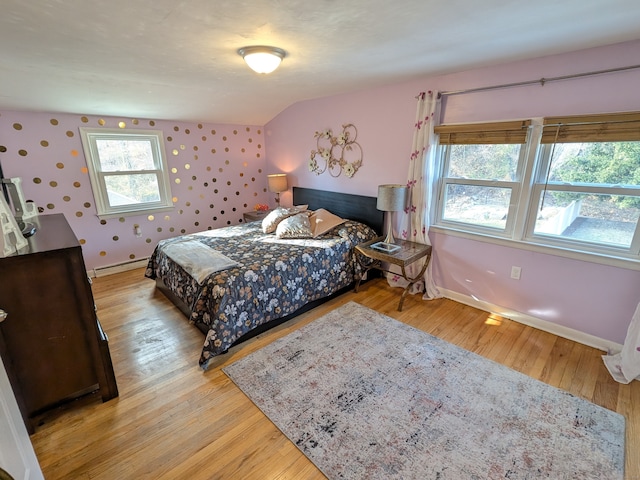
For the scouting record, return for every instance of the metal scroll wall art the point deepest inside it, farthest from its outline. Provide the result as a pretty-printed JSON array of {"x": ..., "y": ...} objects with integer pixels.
[{"x": 336, "y": 153}]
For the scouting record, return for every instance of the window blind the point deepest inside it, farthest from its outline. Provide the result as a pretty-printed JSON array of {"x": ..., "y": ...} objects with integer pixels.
[
  {"x": 612, "y": 127},
  {"x": 484, "y": 133}
]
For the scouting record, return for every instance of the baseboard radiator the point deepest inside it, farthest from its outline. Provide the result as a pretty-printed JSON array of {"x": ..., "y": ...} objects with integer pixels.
[{"x": 119, "y": 267}]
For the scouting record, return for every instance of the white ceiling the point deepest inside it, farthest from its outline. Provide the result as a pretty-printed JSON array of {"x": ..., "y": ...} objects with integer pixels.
[{"x": 176, "y": 59}]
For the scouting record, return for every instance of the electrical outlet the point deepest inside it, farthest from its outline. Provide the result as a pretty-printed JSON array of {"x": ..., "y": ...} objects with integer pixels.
[{"x": 515, "y": 272}]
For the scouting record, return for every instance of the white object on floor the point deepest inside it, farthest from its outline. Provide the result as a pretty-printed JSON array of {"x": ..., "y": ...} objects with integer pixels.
[
  {"x": 17, "y": 456},
  {"x": 625, "y": 366}
]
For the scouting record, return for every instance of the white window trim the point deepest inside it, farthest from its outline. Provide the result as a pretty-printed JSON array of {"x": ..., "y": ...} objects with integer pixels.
[
  {"x": 514, "y": 186},
  {"x": 520, "y": 233},
  {"x": 538, "y": 190},
  {"x": 96, "y": 177},
  {"x": 559, "y": 251}
]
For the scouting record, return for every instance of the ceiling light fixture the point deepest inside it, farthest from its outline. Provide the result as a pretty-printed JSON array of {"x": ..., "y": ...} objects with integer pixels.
[{"x": 262, "y": 59}]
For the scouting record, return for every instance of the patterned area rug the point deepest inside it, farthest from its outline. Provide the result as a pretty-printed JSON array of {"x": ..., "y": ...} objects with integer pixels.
[{"x": 366, "y": 396}]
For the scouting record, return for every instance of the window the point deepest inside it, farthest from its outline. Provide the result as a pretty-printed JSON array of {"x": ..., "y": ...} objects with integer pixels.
[
  {"x": 482, "y": 172},
  {"x": 572, "y": 184},
  {"x": 128, "y": 171},
  {"x": 587, "y": 188}
]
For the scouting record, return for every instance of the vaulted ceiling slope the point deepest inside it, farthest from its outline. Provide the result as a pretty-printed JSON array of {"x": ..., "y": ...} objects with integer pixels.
[{"x": 176, "y": 59}]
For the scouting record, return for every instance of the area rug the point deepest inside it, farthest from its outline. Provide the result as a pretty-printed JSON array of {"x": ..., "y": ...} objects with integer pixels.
[{"x": 365, "y": 396}]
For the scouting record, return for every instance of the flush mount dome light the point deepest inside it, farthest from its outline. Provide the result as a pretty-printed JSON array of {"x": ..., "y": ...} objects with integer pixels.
[{"x": 262, "y": 59}]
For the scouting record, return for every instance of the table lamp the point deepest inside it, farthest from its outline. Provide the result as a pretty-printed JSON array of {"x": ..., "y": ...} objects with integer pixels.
[
  {"x": 391, "y": 198},
  {"x": 277, "y": 183}
]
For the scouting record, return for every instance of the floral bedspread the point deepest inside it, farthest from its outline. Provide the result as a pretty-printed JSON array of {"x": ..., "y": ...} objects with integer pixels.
[{"x": 273, "y": 278}]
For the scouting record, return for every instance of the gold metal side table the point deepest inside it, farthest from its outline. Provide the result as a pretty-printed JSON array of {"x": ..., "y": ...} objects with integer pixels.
[{"x": 408, "y": 253}]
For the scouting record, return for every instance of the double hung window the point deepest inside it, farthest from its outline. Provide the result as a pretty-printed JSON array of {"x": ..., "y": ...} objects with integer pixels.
[
  {"x": 482, "y": 175},
  {"x": 128, "y": 171},
  {"x": 587, "y": 188},
  {"x": 572, "y": 183}
]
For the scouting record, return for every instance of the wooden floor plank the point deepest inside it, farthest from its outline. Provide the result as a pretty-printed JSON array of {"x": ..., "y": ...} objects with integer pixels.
[{"x": 173, "y": 420}]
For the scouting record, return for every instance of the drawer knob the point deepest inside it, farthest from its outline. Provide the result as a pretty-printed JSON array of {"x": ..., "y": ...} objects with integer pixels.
[{"x": 3, "y": 315}]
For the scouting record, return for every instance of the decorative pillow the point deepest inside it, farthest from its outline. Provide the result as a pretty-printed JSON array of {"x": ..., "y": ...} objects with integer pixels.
[
  {"x": 323, "y": 220},
  {"x": 295, "y": 226},
  {"x": 271, "y": 221}
]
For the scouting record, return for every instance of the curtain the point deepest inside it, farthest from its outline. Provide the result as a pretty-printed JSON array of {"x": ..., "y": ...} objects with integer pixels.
[
  {"x": 413, "y": 224},
  {"x": 624, "y": 367}
]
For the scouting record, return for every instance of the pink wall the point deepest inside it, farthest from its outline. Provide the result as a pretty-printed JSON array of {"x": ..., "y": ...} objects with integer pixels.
[
  {"x": 595, "y": 299},
  {"x": 221, "y": 171},
  {"x": 218, "y": 172},
  {"x": 592, "y": 298}
]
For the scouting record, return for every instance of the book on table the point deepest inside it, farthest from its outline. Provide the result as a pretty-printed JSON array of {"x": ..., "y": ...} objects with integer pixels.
[{"x": 386, "y": 247}]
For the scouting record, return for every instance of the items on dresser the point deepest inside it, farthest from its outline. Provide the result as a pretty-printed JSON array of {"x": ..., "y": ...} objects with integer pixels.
[
  {"x": 11, "y": 238},
  {"x": 23, "y": 211}
]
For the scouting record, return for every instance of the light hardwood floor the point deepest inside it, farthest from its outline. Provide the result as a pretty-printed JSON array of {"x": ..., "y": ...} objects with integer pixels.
[{"x": 174, "y": 421}]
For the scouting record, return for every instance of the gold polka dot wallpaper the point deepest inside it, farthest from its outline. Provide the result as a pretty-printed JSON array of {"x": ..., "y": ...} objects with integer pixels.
[{"x": 217, "y": 172}]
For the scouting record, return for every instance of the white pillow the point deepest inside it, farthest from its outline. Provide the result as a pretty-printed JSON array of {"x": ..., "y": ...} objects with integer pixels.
[
  {"x": 295, "y": 226},
  {"x": 271, "y": 221}
]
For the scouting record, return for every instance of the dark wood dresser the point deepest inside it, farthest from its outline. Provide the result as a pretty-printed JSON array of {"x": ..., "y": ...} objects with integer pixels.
[{"x": 51, "y": 341}]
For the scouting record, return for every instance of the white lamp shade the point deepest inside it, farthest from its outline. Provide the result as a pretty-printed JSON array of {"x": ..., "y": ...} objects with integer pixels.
[
  {"x": 262, "y": 59},
  {"x": 392, "y": 198},
  {"x": 277, "y": 182}
]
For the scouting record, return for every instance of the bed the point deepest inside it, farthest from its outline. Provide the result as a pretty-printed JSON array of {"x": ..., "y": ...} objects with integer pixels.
[{"x": 235, "y": 282}]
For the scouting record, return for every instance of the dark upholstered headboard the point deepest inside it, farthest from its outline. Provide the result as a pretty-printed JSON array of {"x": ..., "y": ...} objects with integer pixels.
[{"x": 353, "y": 207}]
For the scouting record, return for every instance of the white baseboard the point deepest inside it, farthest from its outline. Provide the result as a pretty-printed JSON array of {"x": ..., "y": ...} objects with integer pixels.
[
  {"x": 120, "y": 267},
  {"x": 544, "y": 325}
]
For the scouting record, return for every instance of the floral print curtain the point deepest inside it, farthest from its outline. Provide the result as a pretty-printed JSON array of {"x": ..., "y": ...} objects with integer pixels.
[
  {"x": 625, "y": 365},
  {"x": 418, "y": 216}
]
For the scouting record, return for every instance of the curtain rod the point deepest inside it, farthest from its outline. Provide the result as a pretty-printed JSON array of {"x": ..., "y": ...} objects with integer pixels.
[{"x": 541, "y": 81}]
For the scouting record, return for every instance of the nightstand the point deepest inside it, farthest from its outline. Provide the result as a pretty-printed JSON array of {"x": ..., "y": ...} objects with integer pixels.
[
  {"x": 255, "y": 215},
  {"x": 408, "y": 253}
]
